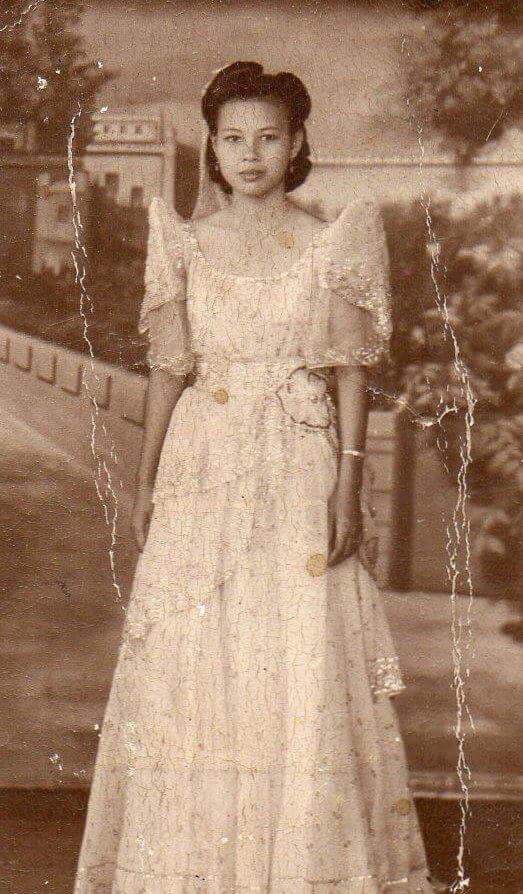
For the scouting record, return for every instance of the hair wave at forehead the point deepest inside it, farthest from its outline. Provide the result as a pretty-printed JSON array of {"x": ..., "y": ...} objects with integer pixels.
[{"x": 247, "y": 80}]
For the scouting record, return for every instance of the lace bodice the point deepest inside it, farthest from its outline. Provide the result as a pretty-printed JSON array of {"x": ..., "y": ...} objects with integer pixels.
[{"x": 331, "y": 307}]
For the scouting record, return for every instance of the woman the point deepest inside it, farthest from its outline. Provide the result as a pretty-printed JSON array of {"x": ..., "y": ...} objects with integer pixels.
[{"x": 249, "y": 741}]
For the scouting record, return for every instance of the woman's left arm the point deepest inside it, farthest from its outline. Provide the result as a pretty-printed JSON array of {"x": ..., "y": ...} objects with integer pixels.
[{"x": 345, "y": 526}]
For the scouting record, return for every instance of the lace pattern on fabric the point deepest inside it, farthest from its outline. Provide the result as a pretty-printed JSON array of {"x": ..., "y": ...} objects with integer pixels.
[
  {"x": 350, "y": 322},
  {"x": 163, "y": 314},
  {"x": 386, "y": 678}
]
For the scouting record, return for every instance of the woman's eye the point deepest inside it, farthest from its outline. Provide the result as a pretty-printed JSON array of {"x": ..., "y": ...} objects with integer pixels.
[
  {"x": 232, "y": 138},
  {"x": 270, "y": 136}
]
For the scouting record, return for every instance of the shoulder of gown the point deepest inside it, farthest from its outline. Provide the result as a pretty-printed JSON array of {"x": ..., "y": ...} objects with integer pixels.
[
  {"x": 358, "y": 233},
  {"x": 353, "y": 272},
  {"x": 165, "y": 264},
  {"x": 162, "y": 313}
]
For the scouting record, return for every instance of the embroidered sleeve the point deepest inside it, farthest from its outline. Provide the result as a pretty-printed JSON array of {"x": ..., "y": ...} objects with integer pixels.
[
  {"x": 350, "y": 321},
  {"x": 163, "y": 314}
]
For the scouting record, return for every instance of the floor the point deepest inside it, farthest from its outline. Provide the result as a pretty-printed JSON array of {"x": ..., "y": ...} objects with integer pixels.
[{"x": 41, "y": 832}]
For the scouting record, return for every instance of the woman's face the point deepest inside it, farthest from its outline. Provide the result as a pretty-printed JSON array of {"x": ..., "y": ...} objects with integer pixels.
[{"x": 253, "y": 145}]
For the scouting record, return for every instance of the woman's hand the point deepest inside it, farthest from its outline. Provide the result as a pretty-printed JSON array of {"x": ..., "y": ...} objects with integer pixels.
[
  {"x": 344, "y": 520},
  {"x": 141, "y": 515}
]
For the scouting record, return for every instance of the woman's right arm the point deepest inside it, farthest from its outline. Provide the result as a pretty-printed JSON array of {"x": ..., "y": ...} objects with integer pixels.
[{"x": 163, "y": 392}]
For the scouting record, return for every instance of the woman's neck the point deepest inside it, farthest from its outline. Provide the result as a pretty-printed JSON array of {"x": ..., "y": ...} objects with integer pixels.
[{"x": 264, "y": 211}]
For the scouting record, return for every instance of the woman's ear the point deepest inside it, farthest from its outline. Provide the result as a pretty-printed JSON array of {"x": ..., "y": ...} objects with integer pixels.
[{"x": 297, "y": 142}]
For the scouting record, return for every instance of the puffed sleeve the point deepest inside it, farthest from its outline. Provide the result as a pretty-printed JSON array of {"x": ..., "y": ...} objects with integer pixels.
[
  {"x": 349, "y": 320},
  {"x": 163, "y": 313}
]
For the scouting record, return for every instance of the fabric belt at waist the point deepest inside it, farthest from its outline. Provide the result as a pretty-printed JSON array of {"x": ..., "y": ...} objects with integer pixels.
[{"x": 240, "y": 377}]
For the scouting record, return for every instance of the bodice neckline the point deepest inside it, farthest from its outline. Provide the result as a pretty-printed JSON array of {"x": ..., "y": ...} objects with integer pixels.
[{"x": 243, "y": 277}]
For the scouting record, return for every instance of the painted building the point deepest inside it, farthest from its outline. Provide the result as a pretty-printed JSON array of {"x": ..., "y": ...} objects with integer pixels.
[
  {"x": 18, "y": 188},
  {"x": 54, "y": 231},
  {"x": 28, "y": 213},
  {"x": 17, "y": 138},
  {"x": 12, "y": 138},
  {"x": 132, "y": 156}
]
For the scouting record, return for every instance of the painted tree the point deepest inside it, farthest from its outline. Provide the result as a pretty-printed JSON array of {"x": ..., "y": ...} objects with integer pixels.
[
  {"x": 66, "y": 82},
  {"x": 45, "y": 78},
  {"x": 18, "y": 98},
  {"x": 464, "y": 84},
  {"x": 480, "y": 273},
  {"x": 464, "y": 78}
]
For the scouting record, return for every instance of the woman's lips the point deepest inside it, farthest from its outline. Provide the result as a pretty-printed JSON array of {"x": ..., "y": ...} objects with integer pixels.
[{"x": 251, "y": 175}]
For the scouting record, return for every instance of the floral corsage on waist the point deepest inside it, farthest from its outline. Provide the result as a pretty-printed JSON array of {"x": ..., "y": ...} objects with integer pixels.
[{"x": 305, "y": 399}]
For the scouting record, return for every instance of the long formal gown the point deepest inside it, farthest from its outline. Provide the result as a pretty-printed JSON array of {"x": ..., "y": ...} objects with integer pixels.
[{"x": 249, "y": 742}]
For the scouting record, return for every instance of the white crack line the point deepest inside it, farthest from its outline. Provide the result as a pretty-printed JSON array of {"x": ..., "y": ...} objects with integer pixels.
[
  {"x": 23, "y": 14},
  {"x": 419, "y": 419},
  {"x": 496, "y": 122},
  {"x": 103, "y": 477},
  {"x": 458, "y": 532}
]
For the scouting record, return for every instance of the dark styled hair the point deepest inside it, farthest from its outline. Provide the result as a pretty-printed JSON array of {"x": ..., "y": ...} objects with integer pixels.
[{"x": 247, "y": 80}]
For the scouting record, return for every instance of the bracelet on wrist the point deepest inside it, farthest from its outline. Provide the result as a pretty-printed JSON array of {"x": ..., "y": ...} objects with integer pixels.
[{"x": 348, "y": 451}]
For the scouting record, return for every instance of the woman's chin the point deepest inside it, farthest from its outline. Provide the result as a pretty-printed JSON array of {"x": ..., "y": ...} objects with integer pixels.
[{"x": 255, "y": 189}]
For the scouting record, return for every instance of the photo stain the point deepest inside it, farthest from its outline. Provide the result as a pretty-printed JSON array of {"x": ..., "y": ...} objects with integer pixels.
[
  {"x": 316, "y": 564},
  {"x": 402, "y": 806},
  {"x": 285, "y": 239},
  {"x": 221, "y": 396}
]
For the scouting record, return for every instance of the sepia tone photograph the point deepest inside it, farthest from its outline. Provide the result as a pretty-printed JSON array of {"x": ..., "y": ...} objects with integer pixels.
[{"x": 261, "y": 467}]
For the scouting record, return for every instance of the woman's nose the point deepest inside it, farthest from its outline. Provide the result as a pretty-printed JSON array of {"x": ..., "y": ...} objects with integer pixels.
[{"x": 250, "y": 150}]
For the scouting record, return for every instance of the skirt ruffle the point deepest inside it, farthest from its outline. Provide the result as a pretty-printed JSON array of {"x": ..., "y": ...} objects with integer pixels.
[{"x": 250, "y": 742}]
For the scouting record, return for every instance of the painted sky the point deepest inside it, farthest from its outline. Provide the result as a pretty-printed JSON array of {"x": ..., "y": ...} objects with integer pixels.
[
  {"x": 352, "y": 55},
  {"x": 349, "y": 55}
]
